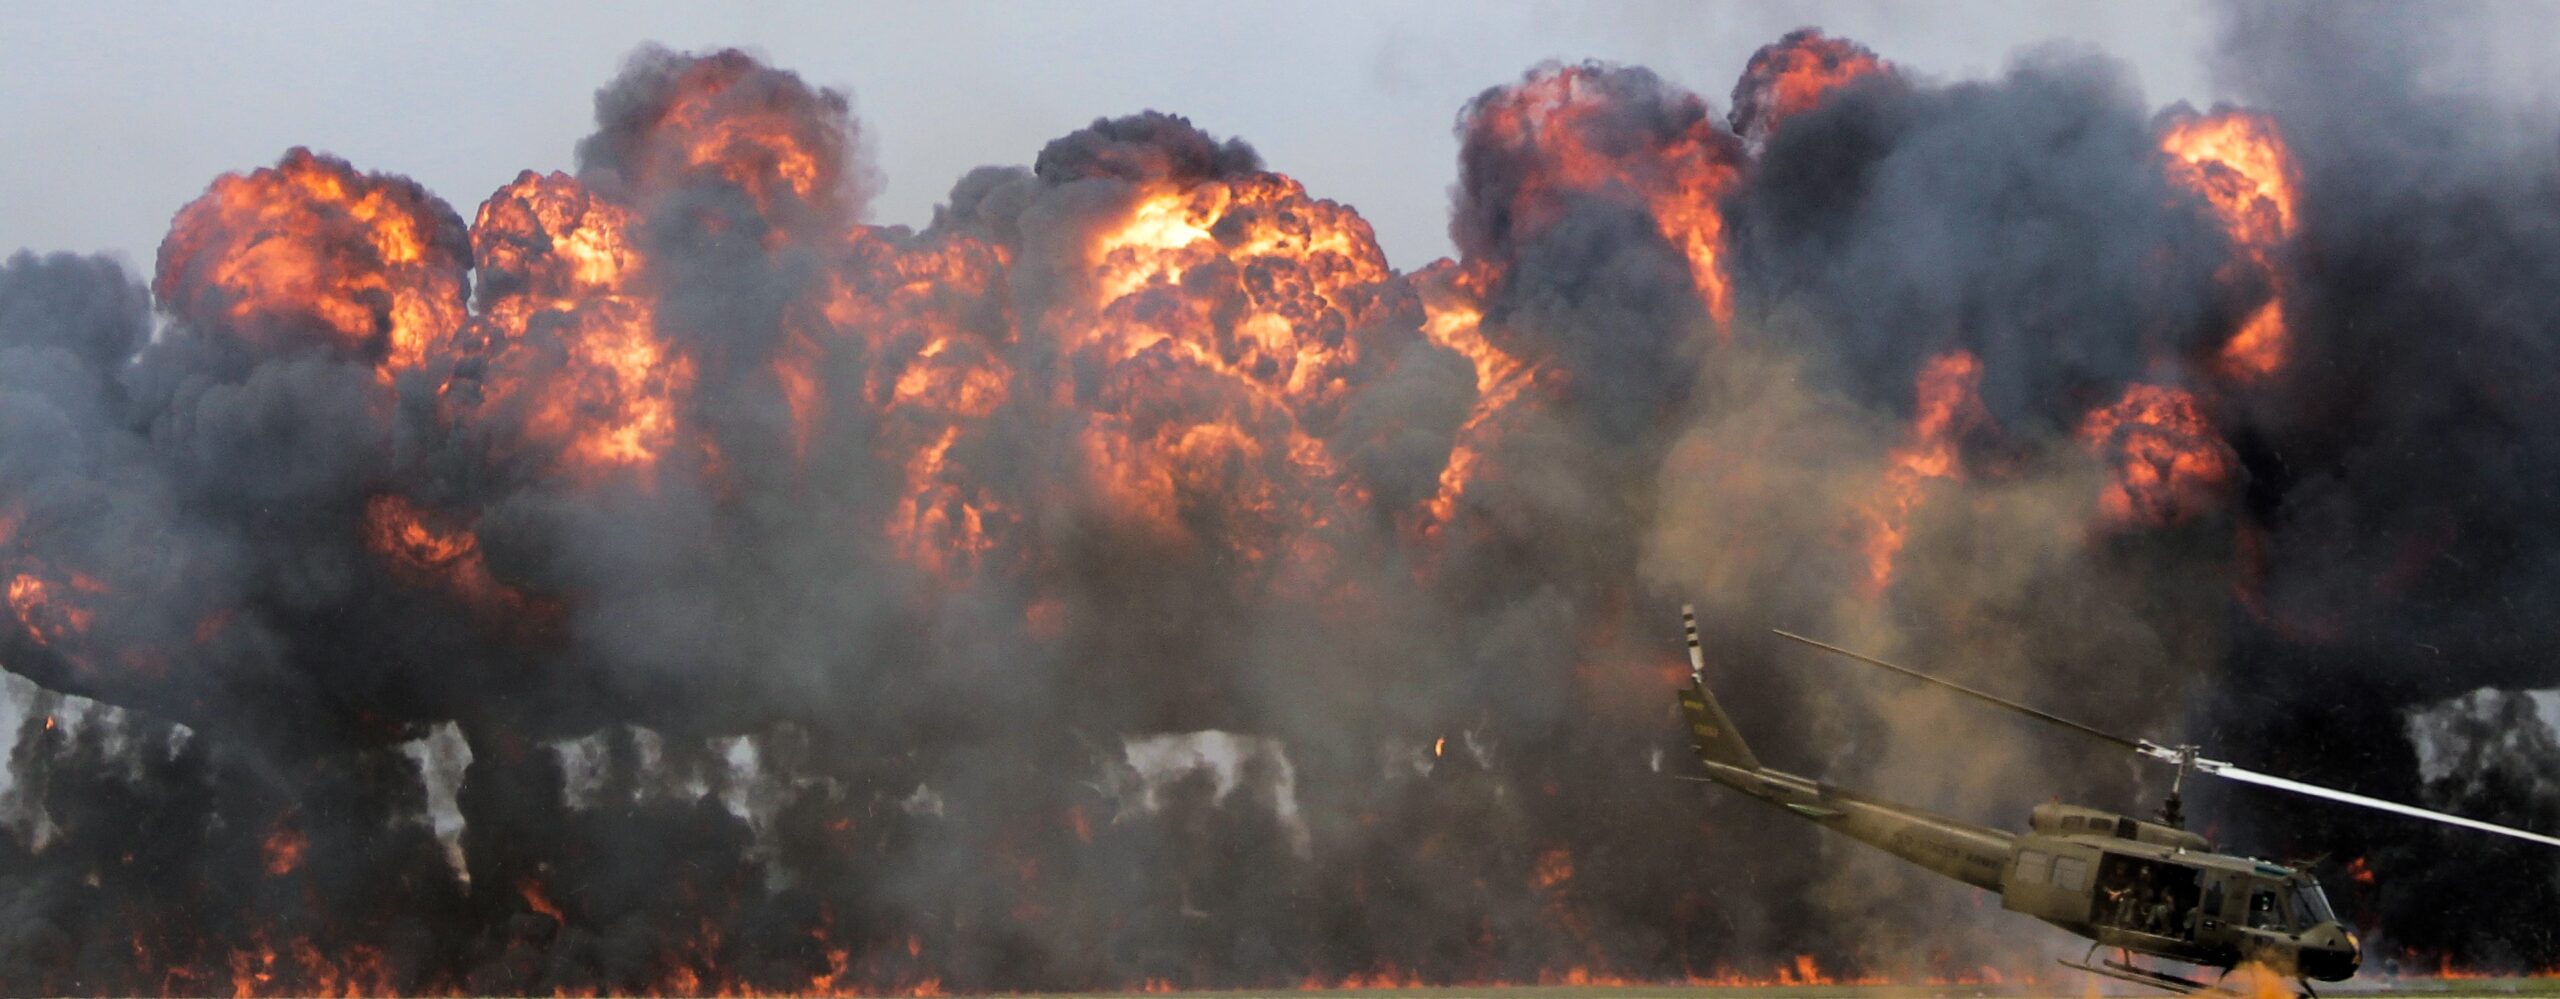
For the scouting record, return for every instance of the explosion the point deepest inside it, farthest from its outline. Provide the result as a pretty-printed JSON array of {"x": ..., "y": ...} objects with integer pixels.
[
  {"x": 1792, "y": 75},
  {"x": 671, "y": 582},
  {"x": 46, "y": 611},
  {"x": 2169, "y": 464},
  {"x": 1949, "y": 404},
  {"x": 1454, "y": 319},
  {"x": 1571, "y": 132},
  {"x": 934, "y": 382},
  {"x": 570, "y": 337},
  {"x": 438, "y": 558},
  {"x": 1255, "y": 296},
  {"x": 727, "y": 116},
  {"x": 372, "y": 263},
  {"x": 2237, "y": 163}
]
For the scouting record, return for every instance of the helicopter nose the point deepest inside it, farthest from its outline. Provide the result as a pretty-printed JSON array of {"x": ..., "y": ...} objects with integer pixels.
[{"x": 2331, "y": 953}]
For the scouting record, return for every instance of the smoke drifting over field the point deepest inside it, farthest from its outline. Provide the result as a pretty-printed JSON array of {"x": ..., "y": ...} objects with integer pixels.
[{"x": 660, "y": 580}]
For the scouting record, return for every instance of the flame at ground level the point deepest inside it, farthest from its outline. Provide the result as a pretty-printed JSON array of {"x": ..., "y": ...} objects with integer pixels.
[{"x": 1115, "y": 450}]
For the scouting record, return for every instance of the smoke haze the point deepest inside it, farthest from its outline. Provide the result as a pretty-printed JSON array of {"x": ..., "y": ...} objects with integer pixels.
[{"x": 658, "y": 579}]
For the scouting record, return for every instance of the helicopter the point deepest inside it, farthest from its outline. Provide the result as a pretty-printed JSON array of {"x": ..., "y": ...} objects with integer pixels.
[{"x": 2151, "y": 888}]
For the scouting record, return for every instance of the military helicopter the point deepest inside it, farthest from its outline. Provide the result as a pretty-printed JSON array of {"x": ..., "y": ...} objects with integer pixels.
[{"x": 2148, "y": 888}]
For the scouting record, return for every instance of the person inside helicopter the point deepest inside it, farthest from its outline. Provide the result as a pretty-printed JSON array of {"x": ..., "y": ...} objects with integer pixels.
[
  {"x": 2145, "y": 896},
  {"x": 2264, "y": 912}
]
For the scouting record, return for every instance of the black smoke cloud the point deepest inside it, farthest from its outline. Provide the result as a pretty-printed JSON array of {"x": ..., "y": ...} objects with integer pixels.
[
  {"x": 2409, "y": 551},
  {"x": 1586, "y": 278},
  {"x": 2025, "y": 219},
  {"x": 737, "y": 737}
]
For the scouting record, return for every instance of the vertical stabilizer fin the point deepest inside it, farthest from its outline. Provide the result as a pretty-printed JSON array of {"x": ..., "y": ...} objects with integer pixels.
[{"x": 1710, "y": 732}]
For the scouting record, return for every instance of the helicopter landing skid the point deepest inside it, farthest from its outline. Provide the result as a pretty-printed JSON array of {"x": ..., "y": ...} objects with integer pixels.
[{"x": 2124, "y": 971}]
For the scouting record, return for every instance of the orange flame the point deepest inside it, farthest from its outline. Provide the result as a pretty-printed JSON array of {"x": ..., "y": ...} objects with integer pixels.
[
  {"x": 937, "y": 526},
  {"x": 404, "y": 536},
  {"x": 1563, "y": 115},
  {"x": 251, "y": 971},
  {"x": 754, "y": 136},
  {"x": 1792, "y": 75},
  {"x": 538, "y": 900},
  {"x": 1554, "y": 870},
  {"x": 2169, "y": 464},
  {"x": 358, "y": 970},
  {"x": 2240, "y": 165},
  {"x": 935, "y": 381},
  {"x": 44, "y": 612},
  {"x": 545, "y": 236},
  {"x": 1453, "y": 317},
  {"x": 370, "y": 261},
  {"x": 1245, "y": 280},
  {"x": 283, "y": 848},
  {"x": 1949, "y": 394},
  {"x": 619, "y": 410},
  {"x": 597, "y": 383},
  {"x": 1289, "y": 278},
  {"x": 1307, "y": 258}
]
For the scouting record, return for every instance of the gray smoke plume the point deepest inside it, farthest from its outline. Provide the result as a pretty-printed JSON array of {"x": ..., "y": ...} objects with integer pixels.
[{"x": 668, "y": 582}]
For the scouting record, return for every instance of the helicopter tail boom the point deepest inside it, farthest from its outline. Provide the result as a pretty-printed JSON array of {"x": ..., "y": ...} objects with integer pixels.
[{"x": 1960, "y": 850}]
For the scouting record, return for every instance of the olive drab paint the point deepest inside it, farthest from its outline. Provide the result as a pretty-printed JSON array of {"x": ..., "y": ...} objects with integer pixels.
[{"x": 2143, "y": 887}]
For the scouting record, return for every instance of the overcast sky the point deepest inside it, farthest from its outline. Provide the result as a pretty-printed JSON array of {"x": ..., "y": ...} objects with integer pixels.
[{"x": 113, "y": 116}]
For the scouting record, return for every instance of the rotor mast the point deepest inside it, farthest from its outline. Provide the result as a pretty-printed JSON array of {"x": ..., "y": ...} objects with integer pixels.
[{"x": 2172, "y": 813}]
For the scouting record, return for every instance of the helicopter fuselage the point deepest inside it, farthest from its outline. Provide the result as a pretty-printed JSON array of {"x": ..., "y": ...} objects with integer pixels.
[{"x": 2140, "y": 886}]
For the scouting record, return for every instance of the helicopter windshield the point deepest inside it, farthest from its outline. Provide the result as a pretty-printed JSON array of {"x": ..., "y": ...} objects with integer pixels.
[{"x": 2310, "y": 906}]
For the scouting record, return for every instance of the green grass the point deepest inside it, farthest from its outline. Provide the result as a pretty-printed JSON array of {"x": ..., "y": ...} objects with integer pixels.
[
  {"x": 2430, "y": 988},
  {"x": 2368, "y": 988}
]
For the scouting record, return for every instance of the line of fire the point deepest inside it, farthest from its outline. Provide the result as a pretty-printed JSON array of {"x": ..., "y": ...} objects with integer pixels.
[{"x": 657, "y": 579}]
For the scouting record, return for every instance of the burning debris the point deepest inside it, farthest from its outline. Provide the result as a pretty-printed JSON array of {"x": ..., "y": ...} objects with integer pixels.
[{"x": 668, "y": 582}]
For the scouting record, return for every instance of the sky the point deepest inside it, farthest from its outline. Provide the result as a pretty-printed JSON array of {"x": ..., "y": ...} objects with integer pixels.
[{"x": 116, "y": 115}]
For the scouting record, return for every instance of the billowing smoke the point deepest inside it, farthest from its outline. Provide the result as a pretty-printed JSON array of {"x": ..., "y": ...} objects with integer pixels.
[
  {"x": 2407, "y": 550},
  {"x": 668, "y": 582}
]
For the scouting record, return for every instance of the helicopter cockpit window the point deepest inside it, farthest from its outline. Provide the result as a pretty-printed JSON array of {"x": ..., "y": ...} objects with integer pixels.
[
  {"x": 2310, "y": 907},
  {"x": 2263, "y": 914}
]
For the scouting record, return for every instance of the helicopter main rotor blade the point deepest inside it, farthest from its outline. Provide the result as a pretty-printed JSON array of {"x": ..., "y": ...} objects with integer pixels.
[
  {"x": 2184, "y": 756},
  {"x": 2248, "y": 776},
  {"x": 2137, "y": 745}
]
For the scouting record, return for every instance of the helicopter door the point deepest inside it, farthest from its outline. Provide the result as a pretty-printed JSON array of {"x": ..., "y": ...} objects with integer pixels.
[{"x": 2142, "y": 895}]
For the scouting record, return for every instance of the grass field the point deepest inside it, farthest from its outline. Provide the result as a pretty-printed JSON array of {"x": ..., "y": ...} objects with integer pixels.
[
  {"x": 2547, "y": 987},
  {"x": 2429, "y": 988}
]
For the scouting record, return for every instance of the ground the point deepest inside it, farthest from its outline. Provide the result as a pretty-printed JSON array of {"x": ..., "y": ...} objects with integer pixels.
[{"x": 2068, "y": 987}]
